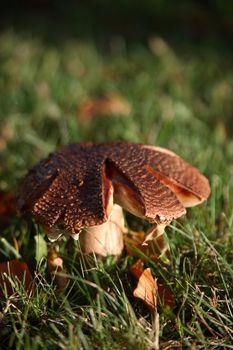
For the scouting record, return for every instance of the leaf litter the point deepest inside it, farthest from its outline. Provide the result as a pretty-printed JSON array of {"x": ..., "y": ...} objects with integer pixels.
[
  {"x": 111, "y": 104},
  {"x": 13, "y": 274}
]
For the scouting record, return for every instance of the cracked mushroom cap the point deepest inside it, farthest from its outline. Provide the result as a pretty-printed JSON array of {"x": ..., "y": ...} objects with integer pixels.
[{"x": 77, "y": 185}]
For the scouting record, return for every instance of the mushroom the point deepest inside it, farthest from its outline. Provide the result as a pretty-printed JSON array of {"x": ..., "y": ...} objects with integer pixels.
[{"x": 83, "y": 187}]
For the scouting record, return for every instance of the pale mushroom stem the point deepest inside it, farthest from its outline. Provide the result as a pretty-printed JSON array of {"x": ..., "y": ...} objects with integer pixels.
[{"x": 105, "y": 239}]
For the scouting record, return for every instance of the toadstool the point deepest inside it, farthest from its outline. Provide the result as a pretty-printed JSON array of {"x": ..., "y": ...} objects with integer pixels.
[{"x": 83, "y": 188}]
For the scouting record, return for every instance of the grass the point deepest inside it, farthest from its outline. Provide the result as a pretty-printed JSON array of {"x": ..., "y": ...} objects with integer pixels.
[{"x": 181, "y": 98}]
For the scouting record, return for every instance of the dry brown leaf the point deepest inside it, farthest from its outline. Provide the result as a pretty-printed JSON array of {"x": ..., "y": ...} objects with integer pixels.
[
  {"x": 7, "y": 208},
  {"x": 133, "y": 242},
  {"x": 55, "y": 265},
  {"x": 137, "y": 269},
  {"x": 15, "y": 269},
  {"x": 154, "y": 248},
  {"x": 110, "y": 104},
  {"x": 165, "y": 295},
  {"x": 147, "y": 289}
]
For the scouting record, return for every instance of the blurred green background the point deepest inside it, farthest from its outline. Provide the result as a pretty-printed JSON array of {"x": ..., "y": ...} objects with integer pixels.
[{"x": 170, "y": 62}]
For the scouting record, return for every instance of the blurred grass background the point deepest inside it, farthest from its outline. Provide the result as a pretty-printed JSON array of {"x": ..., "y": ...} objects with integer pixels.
[{"x": 173, "y": 65}]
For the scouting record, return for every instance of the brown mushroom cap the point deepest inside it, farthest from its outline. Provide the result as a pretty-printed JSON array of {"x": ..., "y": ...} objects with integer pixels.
[{"x": 76, "y": 186}]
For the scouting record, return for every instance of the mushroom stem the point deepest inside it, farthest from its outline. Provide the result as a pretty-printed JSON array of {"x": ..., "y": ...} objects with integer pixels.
[{"x": 105, "y": 239}]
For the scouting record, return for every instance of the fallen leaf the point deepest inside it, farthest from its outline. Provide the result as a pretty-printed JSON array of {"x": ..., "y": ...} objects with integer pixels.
[
  {"x": 147, "y": 289},
  {"x": 165, "y": 295},
  {"x": 7, "y": 208},
  {"x": 55, "y": 265},
  {"x": 11, "y": 272},
  {"x": 133, "y": 242},
  {"x": 137, "y": 269},
  {"x": 151, "y": 245},
  {"x": 110, "y": 104}
]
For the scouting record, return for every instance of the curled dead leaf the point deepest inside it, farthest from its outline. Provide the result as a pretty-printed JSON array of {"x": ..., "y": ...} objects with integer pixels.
[
  {"x": 110, "y": 104},
  {"x": 151, "y": 245},
  {"x": 137, "y": 269},
  {"x": 133, "y": 242},
  {"x": 14, "y": 271},
  {"x": 147, "y": 289},
  {"x": 165, "y": 297}
]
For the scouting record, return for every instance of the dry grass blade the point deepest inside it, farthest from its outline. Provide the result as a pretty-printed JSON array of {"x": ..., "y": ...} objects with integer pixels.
[
  {"x": 171, "y": 344},
  {"x": 6, "y": 135}
]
